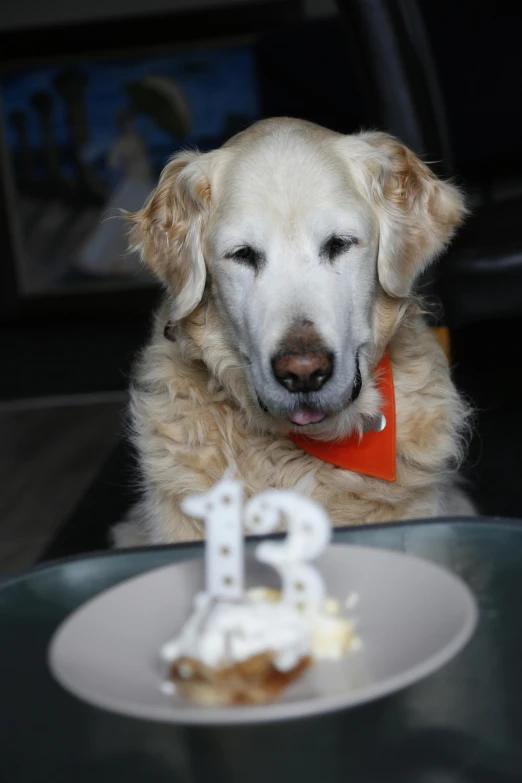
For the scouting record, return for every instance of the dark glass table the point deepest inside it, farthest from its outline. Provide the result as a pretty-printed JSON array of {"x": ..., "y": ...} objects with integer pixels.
[{"x": 460, "y": 725}]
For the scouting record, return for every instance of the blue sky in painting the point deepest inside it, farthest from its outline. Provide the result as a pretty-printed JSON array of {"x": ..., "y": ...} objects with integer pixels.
[{"x": 217, "y": 82}]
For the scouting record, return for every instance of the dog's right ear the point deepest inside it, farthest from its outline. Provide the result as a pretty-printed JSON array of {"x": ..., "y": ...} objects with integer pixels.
[{"x": 167, "y": 231}]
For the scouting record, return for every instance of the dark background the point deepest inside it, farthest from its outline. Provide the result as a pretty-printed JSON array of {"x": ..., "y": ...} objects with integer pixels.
[{"x": 444, "y": 76}]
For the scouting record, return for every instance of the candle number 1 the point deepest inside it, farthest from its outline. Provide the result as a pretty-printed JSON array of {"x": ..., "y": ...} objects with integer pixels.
[{"x": 222, "y": 510}]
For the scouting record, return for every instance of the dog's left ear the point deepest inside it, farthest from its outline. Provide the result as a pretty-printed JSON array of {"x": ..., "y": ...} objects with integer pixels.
[{"x": 417, "y": 212}]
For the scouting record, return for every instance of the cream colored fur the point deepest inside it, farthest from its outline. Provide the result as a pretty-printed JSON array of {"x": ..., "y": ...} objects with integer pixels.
[{"x": 193, "y": 401}]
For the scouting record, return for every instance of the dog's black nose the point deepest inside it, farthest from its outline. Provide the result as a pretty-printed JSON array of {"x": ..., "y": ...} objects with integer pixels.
[
  {"x": 303, "y": 363},
  {"x": 303, "y": 372}
]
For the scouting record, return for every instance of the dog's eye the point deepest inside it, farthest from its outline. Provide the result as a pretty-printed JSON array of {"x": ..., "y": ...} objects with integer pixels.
[
  {"x": 336, "y": 245},
  {"x": 246, "y": 255}
]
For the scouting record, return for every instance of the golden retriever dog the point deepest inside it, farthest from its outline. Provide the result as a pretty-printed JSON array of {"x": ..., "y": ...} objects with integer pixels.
[{"x": 289, "y": 258}]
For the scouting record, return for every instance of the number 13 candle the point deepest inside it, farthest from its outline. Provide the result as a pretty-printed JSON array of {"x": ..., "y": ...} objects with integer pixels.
[{"x": 308, "y": 534}]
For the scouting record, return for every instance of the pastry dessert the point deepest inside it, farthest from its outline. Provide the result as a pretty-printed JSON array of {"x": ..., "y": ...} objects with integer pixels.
[
  {"x": 248, "y": 652},
  {"x": 243, "y": 652}
]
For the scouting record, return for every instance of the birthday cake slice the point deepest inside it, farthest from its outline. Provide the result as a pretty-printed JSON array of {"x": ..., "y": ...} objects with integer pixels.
[
  {"x": 244, "y": 647},
  {"x": 238, "y": 652}
]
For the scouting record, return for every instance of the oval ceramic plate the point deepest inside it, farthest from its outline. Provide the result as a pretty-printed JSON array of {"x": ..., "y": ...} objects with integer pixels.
[{"x": 412, "y": 617}]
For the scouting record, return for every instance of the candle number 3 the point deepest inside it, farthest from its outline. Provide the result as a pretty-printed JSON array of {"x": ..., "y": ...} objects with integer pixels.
[{"x": 309, "y": 532}]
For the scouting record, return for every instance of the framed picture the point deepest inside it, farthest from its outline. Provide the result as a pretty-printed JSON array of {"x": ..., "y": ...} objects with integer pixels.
[{"x": 85, "y": 132}]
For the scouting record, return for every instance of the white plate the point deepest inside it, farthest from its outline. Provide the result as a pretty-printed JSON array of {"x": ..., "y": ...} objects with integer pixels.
[{"x": 413, "y": 617}]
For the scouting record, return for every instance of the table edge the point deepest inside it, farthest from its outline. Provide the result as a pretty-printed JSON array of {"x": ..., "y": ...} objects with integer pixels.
[{"x": 497, "y": 522}]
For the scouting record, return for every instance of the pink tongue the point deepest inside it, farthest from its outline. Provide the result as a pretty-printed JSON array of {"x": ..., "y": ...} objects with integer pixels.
[{"x": 303, "y": 417}]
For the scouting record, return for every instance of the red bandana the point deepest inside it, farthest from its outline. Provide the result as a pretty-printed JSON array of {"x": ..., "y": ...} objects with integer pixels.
[{"x": 373, "y": 454}]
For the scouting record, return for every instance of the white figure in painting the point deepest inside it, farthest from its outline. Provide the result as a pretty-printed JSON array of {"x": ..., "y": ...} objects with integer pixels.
[{"x": 105, "y": 252}]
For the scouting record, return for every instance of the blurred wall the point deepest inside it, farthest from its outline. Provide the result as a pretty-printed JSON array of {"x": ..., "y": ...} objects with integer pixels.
[{"x": 33, "y": 13}]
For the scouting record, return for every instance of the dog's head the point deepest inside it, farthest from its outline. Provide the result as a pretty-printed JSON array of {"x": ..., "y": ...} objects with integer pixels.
[{"x": 296, "y": 241}]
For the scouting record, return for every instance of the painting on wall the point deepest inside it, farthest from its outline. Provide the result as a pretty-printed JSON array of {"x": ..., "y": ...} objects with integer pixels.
[{"x": 86, "y": 140}]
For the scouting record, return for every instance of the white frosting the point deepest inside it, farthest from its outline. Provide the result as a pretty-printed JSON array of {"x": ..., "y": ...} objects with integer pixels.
[
  {"x": 221, "y": 633},
  {"x": 352, "y": 601},
  {"x": 168, "y": 688},
  {"x": 331, "y": 635}
]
